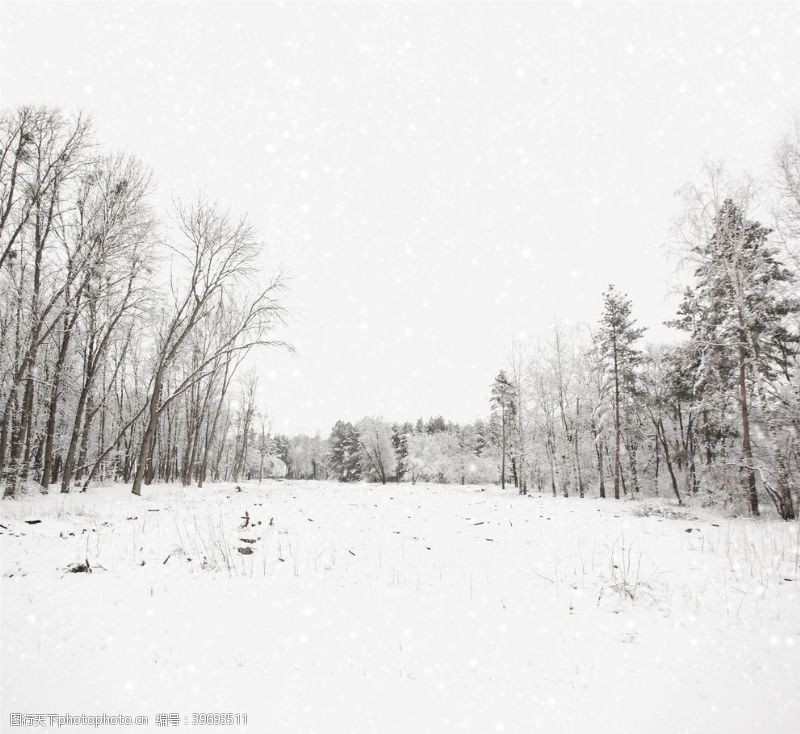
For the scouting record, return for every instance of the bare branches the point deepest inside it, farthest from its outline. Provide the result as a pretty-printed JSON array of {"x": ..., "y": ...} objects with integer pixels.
[
  {"x": 95, "y": 356},
  {"x": 787, "y": 183},
  {"x": 217, "y": 254}
]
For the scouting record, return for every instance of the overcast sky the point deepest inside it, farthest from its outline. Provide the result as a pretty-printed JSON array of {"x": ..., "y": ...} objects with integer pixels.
[{"x": 437, "y": 179}]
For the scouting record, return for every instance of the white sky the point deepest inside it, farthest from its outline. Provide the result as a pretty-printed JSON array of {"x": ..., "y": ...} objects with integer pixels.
[{"x": 436, "y": 178}]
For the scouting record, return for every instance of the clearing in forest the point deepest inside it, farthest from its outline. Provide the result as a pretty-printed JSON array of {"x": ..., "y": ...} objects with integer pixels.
[{"x": 318, "y": 606}]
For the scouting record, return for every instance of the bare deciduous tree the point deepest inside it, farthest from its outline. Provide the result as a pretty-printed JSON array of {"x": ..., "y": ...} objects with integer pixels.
[{"x": 218, "y": 254}]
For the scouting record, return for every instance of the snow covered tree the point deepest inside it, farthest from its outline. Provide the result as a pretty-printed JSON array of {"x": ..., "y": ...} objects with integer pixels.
[
  {"x": 596, "y": 388},
  {"x": 281, "y": 449},
  {"x": 376, "y": 450},
  {"x": 617, "y": 338},
  {"x": 787, "y": 169},
  {"x": 435, "y": 424},
  {"x": 736, "y": 314},
  {"x": 45, "y": 156},
  {"x": 343, "y": 452},
  {"x": 664, "y": 390},
  {"x": 400, "y": 443},
  {"x": 503, "y": 405},
  {"x": 219, "y": 253},
  {"x": 518, "y": 425}
]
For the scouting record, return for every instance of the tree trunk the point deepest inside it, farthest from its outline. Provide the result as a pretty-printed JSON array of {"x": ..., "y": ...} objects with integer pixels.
[
  {"x": 577, "y": 451},
  {"x": 659, "y": 425},
  {"x": 148, "y": 437},
  {"x": 69, "y": 461},
  {"x": 503, "y": 457},
  {"x": 616, "y": 424},
  {"x": 84, "y": 445},
  {"x": 785, "y": 503},
  {"x": 598, "y": 449},
  {"x": 707, "y": 439},
  {"x": 747, "y": 450},
  {"x": 658, "y": 462}
]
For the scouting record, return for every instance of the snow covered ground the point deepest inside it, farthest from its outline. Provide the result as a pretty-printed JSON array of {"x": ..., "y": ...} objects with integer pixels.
[{"x": 424, "y": 608}]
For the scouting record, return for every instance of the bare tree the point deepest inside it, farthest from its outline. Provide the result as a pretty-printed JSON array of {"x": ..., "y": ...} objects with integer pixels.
[
  {"x": 113, "y": 212},
  {"x": 247, "y": 407},
  {"x": 45, "y": 154},
  {"x": 787, "y": 184},
  {"x": 219, "y": 255}
]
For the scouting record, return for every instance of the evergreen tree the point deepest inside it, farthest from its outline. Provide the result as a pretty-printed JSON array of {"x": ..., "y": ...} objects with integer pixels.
[
  {"x": 343, "y": 456},
  {"x": 617, "y": 337},
  {"x": 503, "y": 402},
  {"x": 281, "y": 445},
  {"x": 400, "y": 444},
  {"x": 481, "y": 437},
  {"x": 436, "y": 425},
  {"x": 736, "y": 316}
]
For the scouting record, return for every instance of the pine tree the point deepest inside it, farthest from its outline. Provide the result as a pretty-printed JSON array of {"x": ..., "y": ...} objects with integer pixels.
[
  {"x": 481, "y": 437},
  {"x": 617, "y": 337},
  {"x": 736, "y": 316},
  {"x": 343, "y": 455},
  {"x": 436, "y": 425},
  {"x": 400, "y": 444},
  {"x": 502, "y": 403},
  {"x": 281, "y": 447}
]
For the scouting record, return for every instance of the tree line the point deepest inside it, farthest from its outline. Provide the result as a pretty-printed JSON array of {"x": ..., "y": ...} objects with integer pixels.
[
  {"x": 595, "y": 409},
  {"x": 375, "y": 450},
  {"x": 714, "y": 415},
  {"x": 123, "y": 334}
]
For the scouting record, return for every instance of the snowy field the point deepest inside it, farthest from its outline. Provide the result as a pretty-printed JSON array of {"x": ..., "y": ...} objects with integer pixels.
[{"x": 425, "y": 608}]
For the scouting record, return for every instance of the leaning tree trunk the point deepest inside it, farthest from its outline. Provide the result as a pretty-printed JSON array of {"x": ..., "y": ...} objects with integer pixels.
[
  {"x": 148, "y": 437},
  {"x": 85, "y": 433},
  {"x": 659, "y": 425},
  {"x": 69, "y": 461},
  {"x": 211, "y": 429}
]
